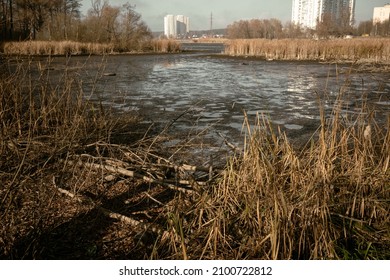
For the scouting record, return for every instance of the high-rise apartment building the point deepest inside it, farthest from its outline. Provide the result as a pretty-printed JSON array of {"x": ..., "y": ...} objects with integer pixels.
[
  {"x": 308, "y": 12},
  {"x": 170, "y": 26},
  {"x": 176, "y": 26},
  {"x": 381, "y": 14}
]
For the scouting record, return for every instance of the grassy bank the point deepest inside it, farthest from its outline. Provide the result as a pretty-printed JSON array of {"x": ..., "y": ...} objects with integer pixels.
[
  {"x": 77, "y": 48},
  {"x": 78, "y": 183},
  {"x": 365, "y": 50}
]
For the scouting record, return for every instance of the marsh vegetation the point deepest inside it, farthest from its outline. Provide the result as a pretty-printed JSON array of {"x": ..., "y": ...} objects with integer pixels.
[
  {"x": 340, "y": 50},
  {"x": 67, "y": 48},
  {"x": 82, "y": 181}
]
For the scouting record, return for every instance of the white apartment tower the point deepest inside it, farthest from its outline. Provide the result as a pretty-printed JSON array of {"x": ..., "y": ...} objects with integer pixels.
[
  {"x": 176, "y": 26},
  {"x": 170, "y": 26},
  {"x": 308, "y": 12},
  {"x": 381, "y": 14}
]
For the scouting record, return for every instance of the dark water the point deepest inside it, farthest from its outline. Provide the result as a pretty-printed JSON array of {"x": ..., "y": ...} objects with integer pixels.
[{"x": 210, "y": 93}]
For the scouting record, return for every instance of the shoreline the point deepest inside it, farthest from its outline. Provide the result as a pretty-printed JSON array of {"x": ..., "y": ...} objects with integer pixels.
[{"x": 373, "y": 54}]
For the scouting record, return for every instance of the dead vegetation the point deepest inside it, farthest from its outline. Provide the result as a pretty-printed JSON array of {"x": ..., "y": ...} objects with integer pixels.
[
  {"x": 78, "y": 48},
  {"x": 353, "y": 50},
  {"x": 72, "y": 189}
]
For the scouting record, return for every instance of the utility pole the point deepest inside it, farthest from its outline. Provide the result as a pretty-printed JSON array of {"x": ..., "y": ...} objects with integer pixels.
[{"x": 211, "y": 25}]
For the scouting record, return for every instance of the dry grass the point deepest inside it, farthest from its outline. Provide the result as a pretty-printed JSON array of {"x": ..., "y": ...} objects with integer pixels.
[
  {"x": 77, "y": 48},
  {"x": 329, "y": 200},
  {"x": 56, "y": 48},
  {"x": 164, "y": 46},
  {"x": 47, "y": 127},
  {"x": 41, "y": 121},
  {"x": 366, "y": 50}
]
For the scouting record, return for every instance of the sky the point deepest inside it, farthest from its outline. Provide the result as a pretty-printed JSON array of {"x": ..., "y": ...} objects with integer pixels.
[{"x": 224, "y": 12}]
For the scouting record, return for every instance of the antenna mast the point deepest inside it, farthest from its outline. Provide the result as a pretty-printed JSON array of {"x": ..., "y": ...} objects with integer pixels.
[{"x": 211, "y": 24}]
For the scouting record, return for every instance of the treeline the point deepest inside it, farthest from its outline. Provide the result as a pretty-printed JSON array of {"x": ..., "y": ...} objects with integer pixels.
[
  {"x": 378, "y": 29},
  {"x": 58, "y": 20},
  {"x": 28, "y": 19},
  {"x": 274, "y": 29}
]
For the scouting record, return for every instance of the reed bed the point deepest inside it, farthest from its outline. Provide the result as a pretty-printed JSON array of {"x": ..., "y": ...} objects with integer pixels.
[
  {"x": 366, "y": 50},
  {"x": 56, "y": 48},
  {"x": 164, "y": 46},
  {"x": 77, "y": 48}
]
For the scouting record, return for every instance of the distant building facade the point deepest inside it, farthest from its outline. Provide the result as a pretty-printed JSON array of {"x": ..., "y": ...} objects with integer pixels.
[
  {"x": 307, "y": 13},
  {"x": 381, "y": 14},
  {"x": 176, "y": 26}
]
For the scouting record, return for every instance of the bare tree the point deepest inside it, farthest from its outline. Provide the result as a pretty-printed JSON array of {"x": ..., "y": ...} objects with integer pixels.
[
  {"x": 381, "y": 28},
  {"x": 134, "y": 30},
  {"x": 365, "y": 28},
  {"x": 61, "y": 20},
  {"x": 325, "y": 26},
  {"x": 7, "y": 19},
  {"x": 292, "y": 30},
  {"x": 256, "y": 28}
]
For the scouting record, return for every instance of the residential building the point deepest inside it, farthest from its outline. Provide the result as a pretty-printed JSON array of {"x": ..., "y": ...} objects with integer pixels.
[
  {"x": 182, "y": 25},
  {"x": 170, "y": 26},
  {"x": 307, "y": 13},
  {"x": 381, "y": 14},
  {"x": 176, "y": 26}
]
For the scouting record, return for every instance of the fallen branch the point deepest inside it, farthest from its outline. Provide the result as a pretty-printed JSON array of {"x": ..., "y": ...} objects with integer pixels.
[
  {"x": 129, "y": 173},
  {"x": 186, "y": 167},
  {"x": 68, "y": 193},
  {"x": 108, "y": 213}
]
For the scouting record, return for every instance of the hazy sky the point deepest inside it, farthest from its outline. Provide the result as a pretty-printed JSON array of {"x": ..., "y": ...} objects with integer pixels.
[{"x": 224, "y": 11}]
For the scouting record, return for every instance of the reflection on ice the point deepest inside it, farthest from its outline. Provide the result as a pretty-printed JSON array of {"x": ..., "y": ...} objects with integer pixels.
[
  {"x": 299, "y": 83},
  {"x": 216, "y": 91}
]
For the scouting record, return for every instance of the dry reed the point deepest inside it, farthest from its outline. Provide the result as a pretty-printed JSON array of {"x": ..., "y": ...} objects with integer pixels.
[
  {"x": 41, "y": 120},
  {"x": 56, "y": 48},
  {"x": 77, "y": 48},
  {"x": 329, "y": 200},
  {"x": 365, "y": 50},
  {"x": 164, "y": 46}
]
